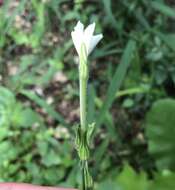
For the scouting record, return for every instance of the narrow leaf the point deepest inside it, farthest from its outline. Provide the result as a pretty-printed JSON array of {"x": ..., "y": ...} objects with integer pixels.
[
  {"x": 117, "y": 80},
  {"x": 38, "y": 100},
  {"x": 164, "y": 9}
]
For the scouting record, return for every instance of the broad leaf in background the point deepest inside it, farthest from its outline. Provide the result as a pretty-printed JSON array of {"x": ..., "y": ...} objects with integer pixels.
[
  {"x": 108, "y": 184},
  {"x": 13, "y": 113},
  {"x": 163, "y": 181},
  {"x": 160, "y": 131},
  {"x": 130, "y": 180}
]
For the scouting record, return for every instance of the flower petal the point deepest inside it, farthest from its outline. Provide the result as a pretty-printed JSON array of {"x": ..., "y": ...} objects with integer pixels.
[
  {"x": 79, "y": 27},
  {"x": 94, "y": 41},
  {"x": 88, "y": 33},
  {"x": 77, "y": 40},
  {"x": 89, "y": 29},
  {"x": 77, "y": 36}
]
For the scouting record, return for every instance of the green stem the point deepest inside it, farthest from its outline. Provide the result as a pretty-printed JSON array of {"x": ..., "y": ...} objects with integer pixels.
[
  {"x": 83, "y": 79},
  {"x": 83, "y": 73},
  {"x": 83, "y": 97},
  {"x": 83, "y": 179}
]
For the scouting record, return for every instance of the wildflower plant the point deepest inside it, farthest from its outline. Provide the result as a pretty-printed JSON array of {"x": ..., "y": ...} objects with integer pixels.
[{"x": 84, "y": 42}]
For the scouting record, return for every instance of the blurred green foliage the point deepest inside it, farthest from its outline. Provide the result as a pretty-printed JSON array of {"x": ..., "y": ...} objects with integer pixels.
[
  {"x": 160, "y": 132},
  {"x": 131, "y": 93}
]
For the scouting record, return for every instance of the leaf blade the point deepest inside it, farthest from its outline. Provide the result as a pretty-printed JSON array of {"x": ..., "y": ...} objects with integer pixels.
[{"x": 117, "y": 80}]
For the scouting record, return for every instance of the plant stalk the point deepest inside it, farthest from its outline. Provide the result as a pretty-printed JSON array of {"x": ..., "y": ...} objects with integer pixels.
[
  {"x": 83, "y": 107},
  {"x": 83, "y": 99},
  {"x": 84, "y": 130},
  {"x": 83, "y": 79}
]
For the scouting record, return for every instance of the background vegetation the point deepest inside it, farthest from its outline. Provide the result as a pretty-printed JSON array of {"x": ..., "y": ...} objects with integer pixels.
[{"x": 131, "y": 93}]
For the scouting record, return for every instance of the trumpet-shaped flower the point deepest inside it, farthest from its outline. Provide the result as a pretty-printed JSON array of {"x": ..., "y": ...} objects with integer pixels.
[{"x": 85, "y": 36}]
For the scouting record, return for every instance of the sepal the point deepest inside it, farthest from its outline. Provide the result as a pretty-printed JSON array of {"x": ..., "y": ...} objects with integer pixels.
[
  {"x": 81, "y": 144},
  {"x": 90, "y": 131}
]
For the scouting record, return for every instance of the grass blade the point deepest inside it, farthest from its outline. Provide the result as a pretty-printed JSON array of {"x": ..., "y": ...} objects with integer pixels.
[
  {"x": 111, "y": 18},
  {"x": 42, "y": 103},
  {"x": 164, "y": 9},
  {"x": 117, "y": 80}
]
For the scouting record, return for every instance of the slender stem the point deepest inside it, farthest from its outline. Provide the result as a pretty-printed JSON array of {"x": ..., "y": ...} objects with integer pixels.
[
  {"x": 83, "y": 179},
  {"x": 83, "y": 79},
  {"x": 83, "y": 97}
]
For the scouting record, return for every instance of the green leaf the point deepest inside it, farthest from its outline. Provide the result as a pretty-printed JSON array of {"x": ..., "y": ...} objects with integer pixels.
[
  {"x": 111, "y": 18},
  {"x": 108, "y": 184},
  {"x": 161, "y": 75},
  {"x": 117, "y": 80},
  {"x": 29, "y": 118},
  {"x": 169, "y": 39},
  {"x": 164, "y": 9},
  {"x": 99, "y": 154},
  {"x": 17, "y": 11},
  {"x": 51, "y": 159},
  {"x": 128, "y": 103},
  {"x": 6, "y": 96},
  {"x": 3, "y": 133},
  {"x": 130, "y": 180},
  {"x": 41, "y": 102},
  {"x": 6, "y": 156},
  {"x": 160, "y": 131},
  {"x": 90, "y": 131},
  {"x": 164, "y": 181},
  {"x": 7, "y": 104},
  {"x": 54, "y": 175}
]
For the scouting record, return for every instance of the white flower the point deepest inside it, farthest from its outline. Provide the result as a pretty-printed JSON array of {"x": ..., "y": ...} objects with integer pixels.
[{"x": 80, "y": 36}]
